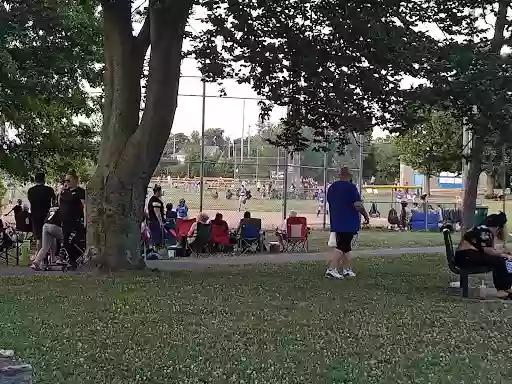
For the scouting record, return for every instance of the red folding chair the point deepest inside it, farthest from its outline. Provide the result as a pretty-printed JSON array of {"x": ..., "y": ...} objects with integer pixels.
[
  {"x": 220, "y": 236},
  {"x": 296, "y": 234},
  {"x": 183, "y": 227}
]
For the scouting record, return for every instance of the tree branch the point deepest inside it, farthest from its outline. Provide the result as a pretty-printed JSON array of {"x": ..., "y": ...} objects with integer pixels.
[
  {"x": 499, "y": 26},
  {"x": 143, "y": 39}
]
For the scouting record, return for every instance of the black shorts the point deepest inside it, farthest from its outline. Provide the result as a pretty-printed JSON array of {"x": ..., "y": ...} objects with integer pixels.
[
  {"x": 37, "y": 227},
  {"x": 344, "y": 241}
]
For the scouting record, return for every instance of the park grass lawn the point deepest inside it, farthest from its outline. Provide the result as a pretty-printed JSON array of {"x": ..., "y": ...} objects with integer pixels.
[
  {"x": 394, "y": 323},
  {"x": 369, "y": 239}
]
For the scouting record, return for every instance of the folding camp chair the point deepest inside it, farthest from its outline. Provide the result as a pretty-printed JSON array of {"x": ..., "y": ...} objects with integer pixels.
[
  {"x": 296, "y": 234},
  {"x": 202, "y": 241},
  {"x": 170, "y": 234},
  {"x": 182, "y": 228},
  {"x": 250, "y": 237},
  {"x": 145, "y": 240},
  {"x": 9, "y": 245},
  {"x": 220, "y": 237}
]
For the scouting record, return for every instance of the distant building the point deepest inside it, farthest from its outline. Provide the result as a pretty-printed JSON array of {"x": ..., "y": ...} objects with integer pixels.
[
  {"x": 446, "y": 180},
  {"x": 181, "y": 156},
  {"x": 211, "y": 150}
]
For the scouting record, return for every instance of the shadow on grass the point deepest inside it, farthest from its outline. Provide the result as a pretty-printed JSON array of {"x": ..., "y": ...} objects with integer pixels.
[{"x": 394, "y": 323}]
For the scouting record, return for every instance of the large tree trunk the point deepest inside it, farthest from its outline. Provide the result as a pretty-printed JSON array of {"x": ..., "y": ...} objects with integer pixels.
[
  {"x": 471, "y": 184},
  {"x": 489, "y": 185},
  {"x": 427, "y": 184},
  {"x": 130, "y": 151}
]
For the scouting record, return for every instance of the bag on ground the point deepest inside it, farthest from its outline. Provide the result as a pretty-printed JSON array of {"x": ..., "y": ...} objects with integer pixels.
[{"x": 332, "y": 240}]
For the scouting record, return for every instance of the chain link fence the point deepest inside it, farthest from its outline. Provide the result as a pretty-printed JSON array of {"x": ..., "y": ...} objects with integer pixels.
[{"x": 274, "y": 191}]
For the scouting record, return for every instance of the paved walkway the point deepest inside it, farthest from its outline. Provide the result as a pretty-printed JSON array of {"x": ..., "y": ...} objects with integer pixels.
[
  {"x": 261, "y": 258},
  {"x": 277, "y": 258}
]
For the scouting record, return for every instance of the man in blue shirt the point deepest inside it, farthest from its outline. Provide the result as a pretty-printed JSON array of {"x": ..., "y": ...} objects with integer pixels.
[{"x": 345, "y": 206}]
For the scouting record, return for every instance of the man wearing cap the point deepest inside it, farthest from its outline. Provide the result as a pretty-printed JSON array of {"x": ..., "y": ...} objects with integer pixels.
[{"x": 345, "y": 208}]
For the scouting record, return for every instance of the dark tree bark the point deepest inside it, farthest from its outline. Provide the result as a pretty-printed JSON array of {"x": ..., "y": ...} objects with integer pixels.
[
  {"x": 475, "y": 167},
  {"x": 428, "y": 176},
  {"x": 471, "y": 184},
  {"x": 130, "y": 149},
  {"x": 489, "y": 185}
]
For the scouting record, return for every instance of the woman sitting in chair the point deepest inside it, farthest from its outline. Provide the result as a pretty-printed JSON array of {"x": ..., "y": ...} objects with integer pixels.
[
  {"x": 221, "y": 239},
  {"x": 477, "y": 249},
  {"x": 193, "y": 233},
  {"x": 281, "y": 231},
  {"x": 219, "y": 221},
  {"x": 247, "y": 215}
]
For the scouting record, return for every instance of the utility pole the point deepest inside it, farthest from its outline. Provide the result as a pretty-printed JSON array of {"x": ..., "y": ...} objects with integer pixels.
[
  {"x": 234, "y": 157},
  {"x": 325, "y": 192},
  {"x": 242, "y": 141},
  {"x": 285, "y": 185},
  {"x": 361, "y": 161},
  {"x": 257, "y": 163},
  {"x": 203, "y": 123},
  {"x": 249, "y": 141}
]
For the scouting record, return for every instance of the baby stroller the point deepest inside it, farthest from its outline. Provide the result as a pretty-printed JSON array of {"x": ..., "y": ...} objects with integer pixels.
[
  {"x": 8, "y": 243},
  {"x": 76, "y": 240}
]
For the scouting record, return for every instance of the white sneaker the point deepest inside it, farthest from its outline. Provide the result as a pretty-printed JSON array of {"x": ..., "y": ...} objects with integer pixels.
[
  {"x": 333, "y": 273},
  {"x": 348, "y": 272}
]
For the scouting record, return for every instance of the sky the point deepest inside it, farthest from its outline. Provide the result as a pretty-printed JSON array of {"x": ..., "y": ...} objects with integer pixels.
[
  {"x": 230, "y": 114},
  {"x": 219, "y": 112}
]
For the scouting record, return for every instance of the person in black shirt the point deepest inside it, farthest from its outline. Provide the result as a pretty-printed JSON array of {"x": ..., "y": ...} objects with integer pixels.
[
  {"x": 16, "y": 210},
  {"x": 23, "y": 220},
  {"x": 156, "y": 216},
  {"x": 41, "y": 198},
  {"x": 169, "y": 213},
  {"x": 72, "y": 214},
  {"x": 477, "y": 249}
]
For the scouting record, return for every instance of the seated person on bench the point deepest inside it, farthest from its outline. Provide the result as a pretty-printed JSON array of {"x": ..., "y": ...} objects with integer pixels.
[{"x": 477, "y": 249}]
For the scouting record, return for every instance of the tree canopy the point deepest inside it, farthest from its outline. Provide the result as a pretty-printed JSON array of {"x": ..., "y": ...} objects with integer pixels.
[
  {"x": 50, "y": 52},
  {"x": 434, "y": 146},
  {"x": 468, "y": 74},
  {"x": 383, "y": 160},
  {"x": 336, "y": 64}
]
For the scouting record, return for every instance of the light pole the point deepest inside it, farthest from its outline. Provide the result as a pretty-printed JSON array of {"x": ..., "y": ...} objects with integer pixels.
[
  {"x": 203, "y": 122},
  {"x": 242, "y": 140}
]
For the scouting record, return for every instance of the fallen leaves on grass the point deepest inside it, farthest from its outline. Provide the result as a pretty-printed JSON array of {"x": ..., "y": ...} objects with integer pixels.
[{"x": 394, "y": 323}]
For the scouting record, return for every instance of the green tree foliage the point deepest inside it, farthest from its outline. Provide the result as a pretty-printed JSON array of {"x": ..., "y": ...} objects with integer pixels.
[
  {"x": 468, "y": 74},
  {"x": 383, "y": 160},
  {"x": 433, "y": 146},
  {"x": 48, "y": 51},
  {"x": 176, "y": 142},
  {"x": 496, "y": 160},
  {"x": 215, "y": 137},
  {"x": 336, "y": 64}
]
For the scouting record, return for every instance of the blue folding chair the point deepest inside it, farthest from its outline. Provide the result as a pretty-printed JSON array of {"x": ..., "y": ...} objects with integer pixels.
[{"x": 250, "y": 237}]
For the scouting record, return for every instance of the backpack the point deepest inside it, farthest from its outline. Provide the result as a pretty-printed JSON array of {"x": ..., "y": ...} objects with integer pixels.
[
  {"x": 374, "y": 212},
  {"x": 393, "y": 217}
]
